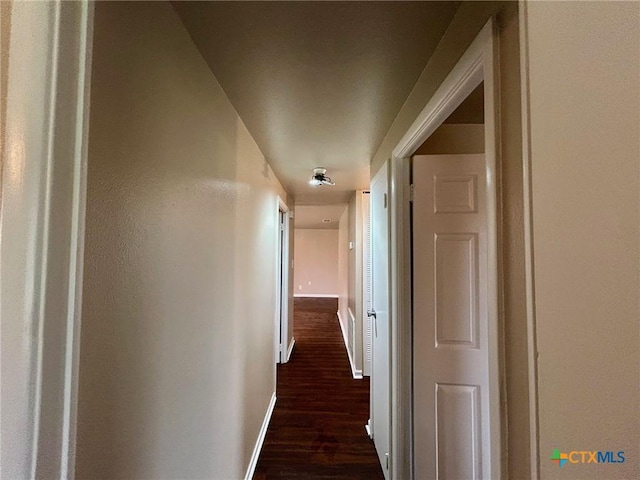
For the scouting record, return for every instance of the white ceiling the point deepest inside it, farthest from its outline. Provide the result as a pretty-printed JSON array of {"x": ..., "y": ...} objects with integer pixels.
[
  {"x": 317, "y": 84},
  {"x": 314, "y": 216}
]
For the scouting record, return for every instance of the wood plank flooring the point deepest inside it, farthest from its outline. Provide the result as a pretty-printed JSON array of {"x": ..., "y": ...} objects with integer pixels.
[{"x": 317, "y": 428}]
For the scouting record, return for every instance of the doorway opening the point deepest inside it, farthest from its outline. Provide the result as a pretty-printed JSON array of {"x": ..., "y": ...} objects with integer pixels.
[
  {"x": 283, "y": 340},
  {"x": 444, "y": 278},
  {"x": 449, "y": 224}
]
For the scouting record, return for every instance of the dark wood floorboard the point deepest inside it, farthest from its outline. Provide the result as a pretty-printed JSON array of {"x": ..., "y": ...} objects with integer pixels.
[{"x": 317, "y": 428}]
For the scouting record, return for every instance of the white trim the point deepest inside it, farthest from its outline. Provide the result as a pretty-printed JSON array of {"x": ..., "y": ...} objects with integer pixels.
[
  {"x": 479, "y": 63},
  {"x": 277, "y": 347},
  {"x": 290, "y": 349},
  {"x": 356, "y": 374},
  {"x": 282, "y": 284},
  {"x": 286, "y": 267},
  {"x": 401, "y": 322},
  {"x": 51, "y": 188},
  {"x": 78, "y": 233},
  {"x": 282, "y": 206},
  {"x": 532, "y": 348},
  {"x": 316, "y": 295},
  {"x": 260, "y": 440}
]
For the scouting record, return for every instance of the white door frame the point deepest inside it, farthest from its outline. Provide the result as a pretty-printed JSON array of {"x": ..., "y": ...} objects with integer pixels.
[
  {"x": 43, "y": 207},
  {"x": 479, "y": 63},
  {"x": 283, "y": 351}
]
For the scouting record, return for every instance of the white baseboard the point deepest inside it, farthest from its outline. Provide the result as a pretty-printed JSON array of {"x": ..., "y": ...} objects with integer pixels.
[
  {"x": 263, "y": 432},
  {"x": 315, "y": 295},
  {"x": 290, "y": 349},
  {"x": 357, "y": 374}
]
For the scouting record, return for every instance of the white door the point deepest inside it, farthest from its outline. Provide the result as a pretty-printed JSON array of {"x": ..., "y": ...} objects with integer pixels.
[
  {"x": 450, "y": 322},
  {"x": 380, "y": 385}
]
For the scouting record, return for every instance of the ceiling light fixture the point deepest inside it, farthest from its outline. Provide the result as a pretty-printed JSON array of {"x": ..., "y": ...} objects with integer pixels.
[{"x": 319, "y": 177}]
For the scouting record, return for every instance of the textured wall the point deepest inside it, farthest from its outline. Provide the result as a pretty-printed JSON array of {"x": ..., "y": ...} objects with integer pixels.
[
  {"x": 584, "y": 96},
  {"x": 467, "y": 22},
  {"x": 177, "y": 364},
  {"x": 343, "y": 268},
  {"x": 352, "y": 254}
]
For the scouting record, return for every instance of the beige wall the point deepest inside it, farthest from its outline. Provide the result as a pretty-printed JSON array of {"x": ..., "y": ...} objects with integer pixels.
[
  {"x": 584, "y": 113},
  {"x": 316, "y": 262},
  {"x": 177, "y": 357},
  {"x": 454, "y": 139},
  {"x": 467, "y": 22},
  {"x": 351, "y": 277},
  {"x": 352, "y": 255},
  {"x": 355, "y": 275},
  {"x": 516, "y": 422},
  {"x": 343, "y": 268}
]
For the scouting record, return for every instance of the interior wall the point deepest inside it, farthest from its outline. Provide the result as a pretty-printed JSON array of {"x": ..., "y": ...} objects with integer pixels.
[
  {"x": 584, "y": 97},
  {"x": 316, "y": 262},
  {"x": 468, "y": 21},
  {"x": 454, "y": 139},
  {"x": 343, "y": 269},
  {"x": 355, "y": 276},
  {"x": 516, "y": 420},
  {"x": 352, "y": 255},
  {"x": 176, "y": 368}
]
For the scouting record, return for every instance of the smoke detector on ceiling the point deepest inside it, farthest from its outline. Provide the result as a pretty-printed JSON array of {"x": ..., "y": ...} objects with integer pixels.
[{"x": 319, "y": 177}]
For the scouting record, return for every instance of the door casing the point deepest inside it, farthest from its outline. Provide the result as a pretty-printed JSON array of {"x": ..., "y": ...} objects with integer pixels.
[
  {"x": 43, "y": 211},
  {"x": 282, "y": 349},
  {"x": 478, "y": 64}
]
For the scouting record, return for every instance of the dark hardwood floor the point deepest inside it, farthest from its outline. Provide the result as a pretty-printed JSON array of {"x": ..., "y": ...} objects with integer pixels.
[{"x": 317, "y": 428}]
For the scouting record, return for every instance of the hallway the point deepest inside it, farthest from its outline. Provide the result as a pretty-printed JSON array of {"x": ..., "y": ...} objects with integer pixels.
[
  {"x": 158, "y": 160},
  {"x": 317, "y": 427}
]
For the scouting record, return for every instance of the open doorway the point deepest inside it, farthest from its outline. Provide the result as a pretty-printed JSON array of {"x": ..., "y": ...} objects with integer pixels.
[
  {"x": 450, "y": 285},
  {"x": 443, "y": 274},
  {"x": 284, "y": 346}
]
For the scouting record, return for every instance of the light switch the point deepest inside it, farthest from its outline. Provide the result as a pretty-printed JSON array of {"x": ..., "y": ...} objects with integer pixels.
[{"x": 350, "y": 245}]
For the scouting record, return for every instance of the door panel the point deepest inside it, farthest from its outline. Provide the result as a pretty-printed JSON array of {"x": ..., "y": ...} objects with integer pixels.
[
  {"x": 451, "y": 357},
  {"x": 380, "y": 384},
  {"x": 457, "y": 432}
]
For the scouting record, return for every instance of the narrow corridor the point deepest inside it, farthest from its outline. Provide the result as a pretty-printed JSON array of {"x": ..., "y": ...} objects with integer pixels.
[{"x": 317, "y": 428}]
